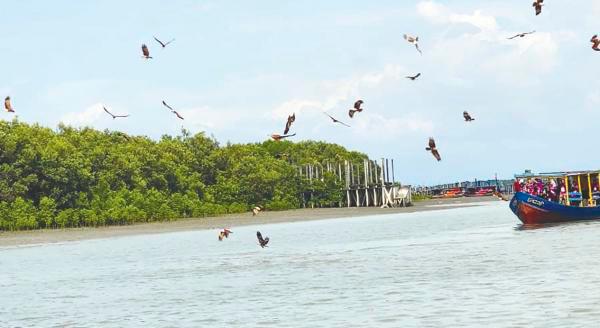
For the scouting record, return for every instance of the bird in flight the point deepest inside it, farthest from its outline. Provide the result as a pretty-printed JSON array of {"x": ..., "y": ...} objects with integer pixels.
[
  {"x": 467, "y": 117},
  {"x": 162, "y": 43},
  {"x": 113, "y": 115},
  {"x": 172, "y": 110},
  {"x": 262, "y": 242},
  {"x": 414, "y": 40},
  {"x": 278, "y": 137},
  {"x": 291, "y": 119},
  {"x": 8, "y": 105},
  {"x": 145, "y": 52},
  {"x": 413, "y": 77},
  {"x": 433, "y": 149},
  {"x": 335, "y": 120},
  {"x": 537, "y": 4},
  {"x": 256, "y": 210},
  {"x": 520, "y": 35},
  {"x": 595, "y": 43},
  {"x": 357, "y": 108},
  {"x": 224, "y": 234}
]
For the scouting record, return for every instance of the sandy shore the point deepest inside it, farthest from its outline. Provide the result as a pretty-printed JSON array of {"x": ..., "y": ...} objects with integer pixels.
[{"x": 232, "y": 220}]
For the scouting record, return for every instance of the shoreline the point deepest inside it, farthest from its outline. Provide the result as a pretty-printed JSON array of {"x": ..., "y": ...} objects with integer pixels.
[{"x": 51, "y": 236}]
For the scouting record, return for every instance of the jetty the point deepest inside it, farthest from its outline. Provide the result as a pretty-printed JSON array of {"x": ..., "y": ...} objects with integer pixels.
[{"x": 366, "y": 184}]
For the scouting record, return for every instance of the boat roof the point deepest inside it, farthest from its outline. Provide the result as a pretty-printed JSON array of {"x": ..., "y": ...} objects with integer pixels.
[{"x": 555, "y": 174}]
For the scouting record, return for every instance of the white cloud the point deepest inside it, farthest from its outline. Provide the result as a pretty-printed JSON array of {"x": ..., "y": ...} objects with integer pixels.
[
  {"x": 338, "y": 92},
  {"x": 87, "y": 117},
  {"x": 441, "y": 15}
]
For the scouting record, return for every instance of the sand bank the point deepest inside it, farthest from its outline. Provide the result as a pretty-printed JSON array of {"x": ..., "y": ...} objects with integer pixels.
[{"x": 232, "y": 220}]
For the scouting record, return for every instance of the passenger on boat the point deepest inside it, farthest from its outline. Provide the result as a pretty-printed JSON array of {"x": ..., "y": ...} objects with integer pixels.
[{"x": 516, "y": 186}]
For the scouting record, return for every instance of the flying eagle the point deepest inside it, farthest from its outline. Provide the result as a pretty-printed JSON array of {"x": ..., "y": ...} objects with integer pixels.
[
  {"x": 256, "y": 210},
  {"x": 224, "y": 234},
  {"x": 537, "y": 4},
  {"x": 262, "y": 242},
  {"x": 520, "y": 35},
  {"x": 467, "y": 117},
  {"x": 414, "y": 77},
  {"x": 414, "y": 40},
  {"x": 163, "y": 44},
  {"x": 595, "y": 43},
  {"x": 145, "y": 52},
  {"x": 357, "y": 108},
  {"x": 291, "y": 119},
  {"x": 113, "y": 115},
  {"x": 278, "y": 137},
  {"x": 335, "y": 120},
  {"x": 7, "y": 105},
  {"x": 433, "y": 149}
]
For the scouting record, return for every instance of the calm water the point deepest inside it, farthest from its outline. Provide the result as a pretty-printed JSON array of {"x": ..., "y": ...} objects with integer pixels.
[{"x": 448, "y": 268}]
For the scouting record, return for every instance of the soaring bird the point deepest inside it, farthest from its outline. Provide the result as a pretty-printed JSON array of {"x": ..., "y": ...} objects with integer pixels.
[
  {"x": 256, "y": 210},
  {"x": 520, "y": 35},
  {"x": 278, "y": 137},
  {"x": 224, "y": 234},
  {"x": 262, "y": 242},
  {"x": 7, "y": 105},
  {"x": 172, "y": 110},
  {"x": 595, "y": 43},
  {"x": 145, "y": 52},
  {"x": 163, "y": 44},
  {"x": 414, "y": 40},
  {"x": 537, "y": 4},
  {"x": 113, "y": 115},
  {"x": 291, "y": 119},
  {"x": 335, "y": 120},
  {"x": 433, "y": 149},
  {"x": 467, "y": 117},
  {"x": 414, "y": 77},
  {"x": 357, "y": 108}
]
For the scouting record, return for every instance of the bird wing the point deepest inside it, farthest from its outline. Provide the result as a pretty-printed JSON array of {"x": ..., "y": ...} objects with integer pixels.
[
  {"x": 169, "y": 42},
  {"x": 594, "y": 38},
  {"x": 431, "y": 143},
  {"x": 7, "y": 104},
  {"x": 288, "y": 124},
  {"x": 260, "y": 238},
  {"x": 266, "y": 241},
  {"x": 106, "y": 110},
  {"x": 512, "y": 37},
  {"x": 342, "y": 123},
  {"x": 436, "y": 154},
  {"x": 466, "y": 115},
  {"x": 419, "y": 50},
  {"x": 351, "y": 113},
  {"x": 177, "y": 114},
  {"x": 165, "y": 104},
  {"x": 418, "y": 74},
  {"x": 405, "y": 37},
  {"x": 157, "y": 40},
  {"x": 357, "y": 104}
]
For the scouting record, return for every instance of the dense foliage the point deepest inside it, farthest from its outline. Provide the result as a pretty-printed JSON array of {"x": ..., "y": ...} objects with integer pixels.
[{"x": 85, "y": 177}]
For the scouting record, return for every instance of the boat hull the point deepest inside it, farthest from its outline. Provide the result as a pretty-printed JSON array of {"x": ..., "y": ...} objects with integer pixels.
[{"x": 531, "y": 209}]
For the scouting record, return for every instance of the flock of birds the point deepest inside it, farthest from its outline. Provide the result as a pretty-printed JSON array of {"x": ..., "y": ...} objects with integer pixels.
[{"x": 357, "y": 108}]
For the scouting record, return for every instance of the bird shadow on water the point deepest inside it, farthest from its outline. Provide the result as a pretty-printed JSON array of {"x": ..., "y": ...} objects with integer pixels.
[{"x": 556, "y": 225}]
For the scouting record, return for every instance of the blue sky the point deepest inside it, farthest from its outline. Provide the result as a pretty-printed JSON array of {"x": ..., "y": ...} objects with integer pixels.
[{"x": 238, "y": 68}]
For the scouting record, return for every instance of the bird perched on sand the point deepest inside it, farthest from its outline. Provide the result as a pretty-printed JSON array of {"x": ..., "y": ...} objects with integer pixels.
[
  {"x": 262, "y": 242},
  {"x": 413, "y": 77},
  {"x": 8, "y": 105},
  {"x": 432, "y": 148},
  {"x": 224, "y": 233},
  {"x": 537, "y": 4},
  {"x": 278, "y": 137},
  {"x": 467, "y": 117},
  {"x": 595, "y": 43},
  {"x": 172, "y": 110},
  {"x": 336, "y": 120},
  {"x": 291, "y": 119},
  {"x": 357, "y": 108},
  {"x": 414, "y": 40},
  {"x": 145, "y": 52},
  {"x": 520, "y": 35},
  {"x": 113, "y": 115},
  {"x": 162, "y": 44},
  {"x": 256, "y": 210}
]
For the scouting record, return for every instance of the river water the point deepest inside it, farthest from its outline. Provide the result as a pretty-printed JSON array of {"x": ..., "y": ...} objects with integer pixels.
[{"x": 446, "y": 268}]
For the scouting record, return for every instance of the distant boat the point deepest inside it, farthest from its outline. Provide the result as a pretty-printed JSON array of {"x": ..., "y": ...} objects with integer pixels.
[{"x": 532, "y": 209}]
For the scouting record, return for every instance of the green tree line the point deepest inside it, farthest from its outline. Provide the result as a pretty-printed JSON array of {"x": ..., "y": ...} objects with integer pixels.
[{"x": 74, "y": 177}]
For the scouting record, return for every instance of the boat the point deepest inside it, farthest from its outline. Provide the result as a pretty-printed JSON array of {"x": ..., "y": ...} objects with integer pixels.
[{"x": 581, "y": 203}]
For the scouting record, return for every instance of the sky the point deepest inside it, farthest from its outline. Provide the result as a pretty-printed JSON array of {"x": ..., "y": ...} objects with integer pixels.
[{"x": 237, "y": 68}]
